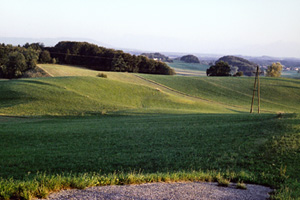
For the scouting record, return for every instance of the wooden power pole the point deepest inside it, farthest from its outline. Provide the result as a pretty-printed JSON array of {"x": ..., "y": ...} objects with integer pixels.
[{"x": 256, "y": 88}]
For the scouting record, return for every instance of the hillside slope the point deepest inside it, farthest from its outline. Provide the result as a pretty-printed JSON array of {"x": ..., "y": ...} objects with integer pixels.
[
  {"x": 130, "y": 93},
  {"x": 277, "y": 94},
  {"x": 89, "y": 95}
]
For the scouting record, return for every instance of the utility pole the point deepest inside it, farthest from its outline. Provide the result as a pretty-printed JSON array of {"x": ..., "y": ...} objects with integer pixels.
[{"x": 258, "y": 90}]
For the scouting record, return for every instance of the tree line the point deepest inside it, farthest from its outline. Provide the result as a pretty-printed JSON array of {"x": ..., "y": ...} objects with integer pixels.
[
  {"x": 16, "y": 60},
  {"x": 104, "y": 59}
]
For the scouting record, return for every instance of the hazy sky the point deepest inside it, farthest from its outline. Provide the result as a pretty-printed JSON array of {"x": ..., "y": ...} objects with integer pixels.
[{"x": 249, "y": 27}]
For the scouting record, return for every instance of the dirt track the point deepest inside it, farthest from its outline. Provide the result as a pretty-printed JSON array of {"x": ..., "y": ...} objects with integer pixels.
[{"x": 163, "y": 191}]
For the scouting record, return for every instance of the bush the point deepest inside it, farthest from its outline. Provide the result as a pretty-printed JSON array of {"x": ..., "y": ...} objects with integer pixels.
[
  {"x": 102, "y": 75},
  {"x": 240, "y": 73}
]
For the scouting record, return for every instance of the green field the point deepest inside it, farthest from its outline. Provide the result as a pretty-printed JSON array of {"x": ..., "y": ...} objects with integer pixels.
[
  {"x": 188, "y": 66},
  {"x": 80, "y": 130},
  {"x": 277, "y": 94},
  {"x": 290, "y": 74},
  {"x": 189, "y": 69},
  {"x": 61, "y": 96}
]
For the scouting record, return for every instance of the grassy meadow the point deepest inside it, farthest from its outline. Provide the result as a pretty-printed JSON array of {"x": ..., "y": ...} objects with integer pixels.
[{"x": 75, "y": 130}]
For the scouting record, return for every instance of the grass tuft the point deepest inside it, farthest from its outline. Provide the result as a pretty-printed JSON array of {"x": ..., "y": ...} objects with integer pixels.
[
  {"x": 222, "y": 181},
  {"x": 241, "y": 185}
]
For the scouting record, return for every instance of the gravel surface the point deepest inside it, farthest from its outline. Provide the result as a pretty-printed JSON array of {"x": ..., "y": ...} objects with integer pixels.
[{"x": 163, "y": 191}]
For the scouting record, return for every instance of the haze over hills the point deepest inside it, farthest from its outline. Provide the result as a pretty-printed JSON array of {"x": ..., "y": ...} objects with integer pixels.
[
  {"x": 205, "y": 58},
  {"x": 49, "y": 41},
  {"x": 205, "y": 55}
]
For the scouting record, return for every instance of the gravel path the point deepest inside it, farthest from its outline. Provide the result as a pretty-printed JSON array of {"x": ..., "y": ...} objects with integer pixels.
[{"x": 163, "y": 191}]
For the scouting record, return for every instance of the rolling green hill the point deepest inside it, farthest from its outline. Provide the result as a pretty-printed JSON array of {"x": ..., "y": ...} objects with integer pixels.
[
  {"x": 129, "y": 93},
  {"x": 89, "y": 95},
  {"x": 74, "y": 130},
  {"x": 277, "y": 94}
]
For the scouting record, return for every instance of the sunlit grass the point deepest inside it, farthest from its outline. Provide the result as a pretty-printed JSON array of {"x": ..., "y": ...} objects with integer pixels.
[{"x": 277, "y": 94}]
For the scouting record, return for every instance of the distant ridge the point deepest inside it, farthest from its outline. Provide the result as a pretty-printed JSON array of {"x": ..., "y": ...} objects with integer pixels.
[{"x": 49, "y": 41}]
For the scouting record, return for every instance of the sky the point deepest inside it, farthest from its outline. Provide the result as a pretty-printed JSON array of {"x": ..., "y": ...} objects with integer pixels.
[{"x": 240, "y": 27}]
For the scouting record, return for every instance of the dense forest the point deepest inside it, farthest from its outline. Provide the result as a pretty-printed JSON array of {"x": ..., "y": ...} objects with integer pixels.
[{"x": 16, "y": 60}]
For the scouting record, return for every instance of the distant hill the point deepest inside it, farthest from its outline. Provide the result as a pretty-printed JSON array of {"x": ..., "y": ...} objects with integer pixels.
[
  {"x": 286, "y": 62},
  {"x": 190, "y": 59},
  {"x": 157, "y": 56},
  {"x": 49, "y": 41},
  {"x": 247, "y": 67}
]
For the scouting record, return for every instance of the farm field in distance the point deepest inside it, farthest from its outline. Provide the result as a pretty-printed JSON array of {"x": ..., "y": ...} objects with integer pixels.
[
  {"x": 290, "y": 74},
  {"x": 74, "y": 130},
  {"x": 189, "y": 69}
]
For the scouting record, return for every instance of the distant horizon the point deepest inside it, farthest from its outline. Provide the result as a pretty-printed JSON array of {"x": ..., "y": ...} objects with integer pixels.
[{"x": 53, "y": 41}]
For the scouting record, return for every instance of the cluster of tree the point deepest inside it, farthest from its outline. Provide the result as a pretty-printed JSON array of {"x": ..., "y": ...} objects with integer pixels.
[
  {"x": 16, "y": 60},
  {"x": 190, "y": 59},
  {"x": 157, "y": 56},
  {"x": 44, "y": 55},
  {"x": 103, "y": 59},
  {"x": 274, "y": 70},
  {"x": 219, "y": 69},
  {"x": 248, "y": 68},
  {"x": 222, "y": 68}
]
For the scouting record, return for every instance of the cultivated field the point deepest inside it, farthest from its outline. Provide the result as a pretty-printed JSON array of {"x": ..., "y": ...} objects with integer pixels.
[{"x": 75, "y": 130}]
